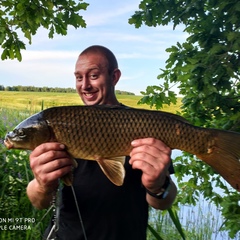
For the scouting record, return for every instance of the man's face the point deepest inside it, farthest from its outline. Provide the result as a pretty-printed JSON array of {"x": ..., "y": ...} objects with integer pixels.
[{"x": 94, "y": 84}]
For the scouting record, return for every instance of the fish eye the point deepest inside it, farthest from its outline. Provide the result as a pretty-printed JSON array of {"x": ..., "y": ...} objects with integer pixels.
[{"x": 21, "y": 132}]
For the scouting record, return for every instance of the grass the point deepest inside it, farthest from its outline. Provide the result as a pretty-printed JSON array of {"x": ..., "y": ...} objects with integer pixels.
[{"x": 33, "y": 101}]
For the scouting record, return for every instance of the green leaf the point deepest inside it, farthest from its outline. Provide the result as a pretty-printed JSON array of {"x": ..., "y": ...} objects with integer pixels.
[
  {"x": 29, "y": 16},
  {"x": 5, "y": 54},
  {"x": 18, "y": 55},
  {"x": 176, "y": 221},
  {"x": 27, "y": 34},
  {"x": 2, "y": 36},
  {"x": 154, "y": 232},
  {"x": 51, "y": 32}
]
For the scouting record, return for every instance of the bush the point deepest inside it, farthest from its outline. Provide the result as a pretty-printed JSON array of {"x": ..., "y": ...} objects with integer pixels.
[{"x": 19, "y": 220}]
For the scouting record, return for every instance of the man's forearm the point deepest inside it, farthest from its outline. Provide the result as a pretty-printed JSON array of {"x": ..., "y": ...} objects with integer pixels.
[
  {"x": 165, "y": 203},
  {"x": 39, "y": 198}
]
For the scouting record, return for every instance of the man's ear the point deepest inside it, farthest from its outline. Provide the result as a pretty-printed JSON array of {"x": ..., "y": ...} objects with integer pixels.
[{"x": 116, "y": 76}]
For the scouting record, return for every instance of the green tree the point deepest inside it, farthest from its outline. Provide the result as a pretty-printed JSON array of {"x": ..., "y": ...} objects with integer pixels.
[
  {"x": 206, "y": 68},
  {"x": 26, "y": 17}
]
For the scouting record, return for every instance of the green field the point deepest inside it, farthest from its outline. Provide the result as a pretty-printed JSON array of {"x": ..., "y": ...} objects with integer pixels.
[{"x": 35, "y": 101}]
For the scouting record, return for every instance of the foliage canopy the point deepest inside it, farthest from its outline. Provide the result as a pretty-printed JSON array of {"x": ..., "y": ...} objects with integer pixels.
[
  {"x": 26, "y": 17},
  {"x": 206, "y": 68}
]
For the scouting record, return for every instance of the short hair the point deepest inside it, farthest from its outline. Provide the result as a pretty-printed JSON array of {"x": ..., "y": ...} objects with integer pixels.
[{"x": 110, "y": 57}]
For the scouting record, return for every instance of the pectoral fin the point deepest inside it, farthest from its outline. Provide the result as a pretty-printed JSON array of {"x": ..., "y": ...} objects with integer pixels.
[{"x": 113, "y": 169}]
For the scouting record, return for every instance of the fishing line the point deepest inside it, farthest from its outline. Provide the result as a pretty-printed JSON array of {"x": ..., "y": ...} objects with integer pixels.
[
  {"x": 79, "y": 214},
  {"x": 56, "y": 204}
]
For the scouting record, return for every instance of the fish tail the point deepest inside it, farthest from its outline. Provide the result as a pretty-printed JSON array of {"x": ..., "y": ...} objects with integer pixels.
[{"x": 223, "y": 155}]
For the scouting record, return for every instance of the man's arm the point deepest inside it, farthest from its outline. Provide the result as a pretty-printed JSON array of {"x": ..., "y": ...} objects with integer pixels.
[
  {"x": 165, "y": 203},
  {"x": 39, "y": 197}
]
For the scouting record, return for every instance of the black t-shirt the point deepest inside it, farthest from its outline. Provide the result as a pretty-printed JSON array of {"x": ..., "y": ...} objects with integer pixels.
[{"x": 108, "y": 212}]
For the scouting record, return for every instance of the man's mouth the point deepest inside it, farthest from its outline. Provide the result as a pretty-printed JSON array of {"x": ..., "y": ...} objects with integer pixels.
[{"x": 88, "y": 94}]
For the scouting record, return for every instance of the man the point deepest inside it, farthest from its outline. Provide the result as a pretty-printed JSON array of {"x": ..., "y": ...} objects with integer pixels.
[{"x": 109, "y": 212}]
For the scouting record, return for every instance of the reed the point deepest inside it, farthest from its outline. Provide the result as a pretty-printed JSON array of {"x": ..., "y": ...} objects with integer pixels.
[{"x": 200, "y": 222}]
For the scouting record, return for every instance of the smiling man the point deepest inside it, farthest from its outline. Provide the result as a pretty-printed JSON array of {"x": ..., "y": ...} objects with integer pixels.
[
  {"x": 109, "y": 212},
  {"x": 96, "y": 76}
]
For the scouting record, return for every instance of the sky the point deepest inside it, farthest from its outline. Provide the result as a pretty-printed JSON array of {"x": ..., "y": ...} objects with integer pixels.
[{"x": 140, "y": 52}]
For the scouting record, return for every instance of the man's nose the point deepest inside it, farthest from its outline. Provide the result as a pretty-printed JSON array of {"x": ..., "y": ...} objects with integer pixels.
[{"x": 86, "y": 83}]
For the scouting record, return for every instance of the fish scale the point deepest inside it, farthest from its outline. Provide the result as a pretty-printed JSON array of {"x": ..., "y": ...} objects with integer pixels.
[
  {"x": 105, "y": 133},
  {"x": 108, "y": 127}
]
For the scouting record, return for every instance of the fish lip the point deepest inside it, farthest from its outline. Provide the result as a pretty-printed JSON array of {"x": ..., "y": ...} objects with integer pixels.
[{"x": 8, "y": 143}]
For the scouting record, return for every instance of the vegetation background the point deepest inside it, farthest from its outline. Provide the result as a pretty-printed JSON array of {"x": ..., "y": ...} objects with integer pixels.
[
  {"x": 200, "y": 222},
  {"x": 206, "y": 69}
]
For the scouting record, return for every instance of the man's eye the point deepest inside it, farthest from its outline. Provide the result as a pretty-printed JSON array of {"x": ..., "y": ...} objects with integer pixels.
[
  {"x": 93, "y": 76},
  {"x": 79, "y": 78}
]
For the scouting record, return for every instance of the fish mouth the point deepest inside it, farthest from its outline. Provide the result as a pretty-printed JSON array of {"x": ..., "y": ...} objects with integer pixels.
[{"x": 8, "y": 143}]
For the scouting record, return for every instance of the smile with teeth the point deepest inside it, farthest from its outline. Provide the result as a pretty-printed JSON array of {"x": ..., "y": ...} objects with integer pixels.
[{"x": 88, "y": 94}]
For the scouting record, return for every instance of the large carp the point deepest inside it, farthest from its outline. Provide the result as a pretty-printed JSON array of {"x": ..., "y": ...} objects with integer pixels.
[{"x": 105, "y": 133}]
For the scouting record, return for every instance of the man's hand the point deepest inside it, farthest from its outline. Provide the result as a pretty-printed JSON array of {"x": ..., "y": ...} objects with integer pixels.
[
  {"x": 50, "y": 161},
  {"x": 153, "y": 157}
]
